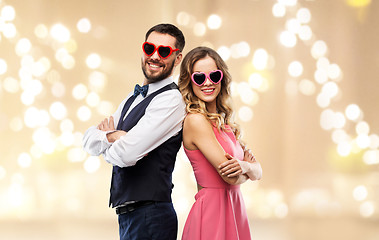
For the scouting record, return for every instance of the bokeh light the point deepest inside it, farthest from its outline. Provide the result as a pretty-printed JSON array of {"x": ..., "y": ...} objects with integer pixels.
[
  {"x": 24, "y": 160},
  {"x": 79, "y": 91},
  {"x": 224, "y": 52},
  {"x": 8, "y": 13},
  {"x": 183, "y": 18},
  {"x": 319, "y": 49},
  {"x": 256, "y": 80},
  {"x": 41, "y": 31},
  {"x": 358, "y": 3},
  {"x": 84, "y": 113},
  {"x": 278, "y": 10},
  {"x": 11, "y": 85},
  {"x": 58, "y": 69},
  {"x": 23, "y": 46},
  {"x": 307, "y": 87},
  {"x": 60, "y": 33},
  {"x": 58, "y": 110},
  {"x": 260, "y": 59},
  {"x": 93, "y": 61},
  {"x": 344, "y": 148},
  {"x": 288, "y": 2},
  {"x": 199, "y": 29},
  {"x": 16, "y": 124},
  {"x": 58, "y": 89},
  {"x": 367, "y": 209},
  {"x": 305, "y": 33},
  {"x": 245, "y": 113},
  {"x": 362, "y": 127},
  {"x": 353, "y": 112},
  {"x": 84, "y": 25},
  {"x": 303, "y": 15},
  {"x": 239, "y": 50},
  {"x": 293, "y": 25},
  {"x": 214, "y": 21},
  {"x": 371, "y": 157},
  {"x": 295, "y": 69},
  {"x": 9, "y": 30},
  {"x": 92, "y": 164},
  {"x": 3, "y": 66},
  {"x": 288, "y": 39}
]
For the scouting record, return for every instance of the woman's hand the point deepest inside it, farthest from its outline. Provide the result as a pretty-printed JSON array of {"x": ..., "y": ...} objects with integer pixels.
[
  {"x": 230, "y": 168},
  {"x": 234, "y": 167}
]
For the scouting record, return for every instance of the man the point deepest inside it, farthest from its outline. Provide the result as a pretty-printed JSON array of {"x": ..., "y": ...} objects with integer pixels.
[{"x": 143, "y": 146}]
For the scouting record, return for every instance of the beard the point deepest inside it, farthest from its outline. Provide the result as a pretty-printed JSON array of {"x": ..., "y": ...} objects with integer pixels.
[{"x": 159, "y": 77}]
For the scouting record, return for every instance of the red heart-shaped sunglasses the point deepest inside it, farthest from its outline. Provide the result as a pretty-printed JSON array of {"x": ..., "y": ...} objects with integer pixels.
[{"x": 163, "y": 51}]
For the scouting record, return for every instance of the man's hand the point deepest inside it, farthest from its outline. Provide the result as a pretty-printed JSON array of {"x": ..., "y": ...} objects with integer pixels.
[
  {"x": 108, "y": 125},
  {"x": 248, "y": 156},
  {"x": 113, "y": 136}
]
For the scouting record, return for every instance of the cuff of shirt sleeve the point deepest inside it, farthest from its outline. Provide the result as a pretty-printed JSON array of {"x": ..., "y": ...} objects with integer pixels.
[
  {"x": 252, "y": 170},
  {"x": 105, "y": 143},
  {"x": 245, "y": 167},
  {"x": 111, "y": 157}
]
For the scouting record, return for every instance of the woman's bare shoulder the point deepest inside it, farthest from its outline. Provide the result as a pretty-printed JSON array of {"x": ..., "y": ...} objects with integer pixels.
[{"x": 195, "y": 121}]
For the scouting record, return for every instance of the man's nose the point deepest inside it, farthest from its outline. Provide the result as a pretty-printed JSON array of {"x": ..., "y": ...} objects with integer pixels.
[{"x": 155, "y": 55}]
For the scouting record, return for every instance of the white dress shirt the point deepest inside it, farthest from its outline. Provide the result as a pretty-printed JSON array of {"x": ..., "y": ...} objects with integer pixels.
[{"x": 163, "y": 119}]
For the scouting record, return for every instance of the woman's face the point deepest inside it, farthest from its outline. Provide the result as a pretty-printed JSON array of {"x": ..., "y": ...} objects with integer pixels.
[{"x": 208, "y": 91}]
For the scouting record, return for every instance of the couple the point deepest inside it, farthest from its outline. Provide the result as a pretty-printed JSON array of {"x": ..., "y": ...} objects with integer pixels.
[{"x": 142, "y": 138}]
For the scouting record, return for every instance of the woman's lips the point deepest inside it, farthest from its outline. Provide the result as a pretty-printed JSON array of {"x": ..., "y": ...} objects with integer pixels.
[{"x": 208, "y": 91}]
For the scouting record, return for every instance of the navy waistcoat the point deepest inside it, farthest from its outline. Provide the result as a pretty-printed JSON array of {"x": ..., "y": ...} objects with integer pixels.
[{"x": 151, "y": 177}]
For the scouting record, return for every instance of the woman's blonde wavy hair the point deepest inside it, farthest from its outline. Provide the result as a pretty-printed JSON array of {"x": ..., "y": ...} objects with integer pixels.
[{"x": 224, "y": 116}]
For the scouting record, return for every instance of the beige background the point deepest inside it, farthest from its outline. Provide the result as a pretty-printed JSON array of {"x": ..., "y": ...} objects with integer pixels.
[{"x": 308, "y": 190}]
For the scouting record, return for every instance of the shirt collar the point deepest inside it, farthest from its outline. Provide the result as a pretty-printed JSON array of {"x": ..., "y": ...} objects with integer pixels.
[{"x": 158, "y": 85}]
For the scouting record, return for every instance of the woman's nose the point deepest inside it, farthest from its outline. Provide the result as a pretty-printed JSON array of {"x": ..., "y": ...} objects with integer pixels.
[{"x": 207, "y": 81}]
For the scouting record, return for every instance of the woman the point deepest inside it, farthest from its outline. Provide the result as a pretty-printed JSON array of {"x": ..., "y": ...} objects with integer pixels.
[{"x": 211, "y": 142}]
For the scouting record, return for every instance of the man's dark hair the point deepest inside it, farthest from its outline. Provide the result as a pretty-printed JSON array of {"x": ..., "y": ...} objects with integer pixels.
[{"x": 166, "y": 28}]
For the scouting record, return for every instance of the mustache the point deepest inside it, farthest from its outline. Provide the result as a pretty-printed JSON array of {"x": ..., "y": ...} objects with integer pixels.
[{"x": 152, "y": 60}]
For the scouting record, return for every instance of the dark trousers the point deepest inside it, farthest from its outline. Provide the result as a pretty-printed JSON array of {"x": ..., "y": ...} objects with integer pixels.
[{"x": 157, "y": 221}]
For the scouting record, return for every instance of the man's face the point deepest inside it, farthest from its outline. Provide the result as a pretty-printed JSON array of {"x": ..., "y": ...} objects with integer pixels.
[{"x": 154, "y": 67}]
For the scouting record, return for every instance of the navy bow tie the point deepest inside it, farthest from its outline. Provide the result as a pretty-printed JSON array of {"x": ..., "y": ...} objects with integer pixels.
[{"x": 143, "y": 90}]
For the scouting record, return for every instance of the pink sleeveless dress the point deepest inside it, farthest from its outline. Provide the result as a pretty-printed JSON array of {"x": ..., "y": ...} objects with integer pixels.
[{"x": 219, "y": 212}]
